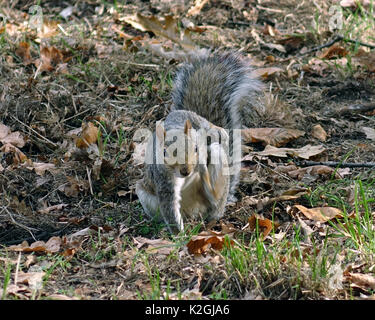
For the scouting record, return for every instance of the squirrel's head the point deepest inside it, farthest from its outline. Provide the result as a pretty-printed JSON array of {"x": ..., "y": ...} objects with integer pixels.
[{"x": 179, "y": 147}]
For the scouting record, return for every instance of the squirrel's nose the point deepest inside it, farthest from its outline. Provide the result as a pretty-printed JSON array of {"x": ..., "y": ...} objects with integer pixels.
[{"x": 184, "y": 171}]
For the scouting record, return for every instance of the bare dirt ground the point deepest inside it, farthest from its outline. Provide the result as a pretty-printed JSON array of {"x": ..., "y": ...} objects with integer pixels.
[{"x": 96, "y": 72}]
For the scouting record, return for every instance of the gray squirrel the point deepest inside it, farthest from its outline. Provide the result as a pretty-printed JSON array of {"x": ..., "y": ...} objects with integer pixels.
[{"x": 196, "y": 182}]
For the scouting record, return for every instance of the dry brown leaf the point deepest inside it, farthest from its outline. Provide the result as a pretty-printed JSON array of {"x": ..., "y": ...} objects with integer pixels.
[
  {"x": 51, "y": 246},
  {"x": 40, "y": 167},
  {"x": 318, "y": 170},
  {"x": 272, "y": 136},
  {"x": 305, "y": 152},
  {"x": 265, "y": 73},
  {"x": 14, "y": 138},
  {"x": 322, "y": 214},
  {"x": 319, "y": 133},
  {"x": 56, "y": 207},
  {"x": 275, "y": 46},
  {"x": 365, "y": 281},
  {"x": 315, "y": 66},
  {"x": 288, "y": 195},
  {"x": 23, "y": 51},
  {"x": 207, "y": 239},
  {"x": 169, "y": 29},
  {"x": 74, "y": 187},
  {"x": 49, "y": 29},
  {"x": 159, "y": 246},
  {"x": 50, "y": 57},
  {"x": 18, "y": 155},
  {"x": 89, "y": 135},
  {"x": 264, "y": 225},
  {"x": 292, "y": 43},
  {"x": 366, "y": 59},
  {"x": 336, "y": 51},
  {"x": 33, "y": 279}
]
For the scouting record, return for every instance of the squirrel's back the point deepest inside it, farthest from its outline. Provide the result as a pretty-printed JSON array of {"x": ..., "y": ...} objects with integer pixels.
[{"x": 213, "y": 85}]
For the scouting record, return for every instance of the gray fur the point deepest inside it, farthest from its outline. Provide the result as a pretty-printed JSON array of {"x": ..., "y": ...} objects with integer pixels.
[{"x": 213, "y": 85}]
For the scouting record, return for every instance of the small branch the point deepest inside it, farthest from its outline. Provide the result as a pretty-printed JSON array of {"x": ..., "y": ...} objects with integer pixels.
[
  {"x": 29, "y": 229},
  {"x": 335, "y": 39},
  {"x": 37, "y": 133},
  {"x": 336, "y": 164},
  {"x": 328, "y": 44}
]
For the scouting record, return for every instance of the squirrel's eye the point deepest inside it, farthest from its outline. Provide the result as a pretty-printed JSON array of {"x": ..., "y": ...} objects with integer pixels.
[
  {"x": 165, "y": 152},
  {"x": 196, "y": 148}
]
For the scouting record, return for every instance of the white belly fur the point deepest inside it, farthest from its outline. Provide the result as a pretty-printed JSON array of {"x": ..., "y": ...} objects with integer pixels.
[{"x": 193, "y": 203}]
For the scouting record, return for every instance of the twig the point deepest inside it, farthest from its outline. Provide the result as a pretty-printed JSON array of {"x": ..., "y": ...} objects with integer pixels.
[
  {"x": 144, "y": 65},
  {"x": 328, "y": 44},
  {"x": 37, "y": 133},
  {"x": 17, "y": 269},
  {"x": 89, "y": 178},
  {"x": 29, "y": 229},
  {"x": 337, "y": 38},
  {"x": 336, "y": 164},
  {"x": 364, "y": 44}
]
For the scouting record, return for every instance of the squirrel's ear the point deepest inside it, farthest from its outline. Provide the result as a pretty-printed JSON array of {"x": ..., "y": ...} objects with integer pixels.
[
  {"x": 187, "y": 126},
  {"x": 160, "y": 132}
]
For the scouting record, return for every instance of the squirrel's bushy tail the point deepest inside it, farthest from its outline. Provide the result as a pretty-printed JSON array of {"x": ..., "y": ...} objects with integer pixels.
[{"x": 213, "y": 84}]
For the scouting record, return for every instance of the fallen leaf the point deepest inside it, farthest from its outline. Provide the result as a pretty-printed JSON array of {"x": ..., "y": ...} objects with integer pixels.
[
  {"x": 365, "y": 281},
  {"x": 50, "y": 57},
  {"x": 169, "y": 29},
  {"x": 49, "y": 29},
  {"x": 33, "y": 279},
  {"x": 292, "y": 43},
  {"x": 318, "y": 170},
  {"x": 335, "y": 51},
  {"x": 305, "y": 152},
  {"x": 23, "y": 51},
  {"x": 322, "y": 214},
  {"x": 89, "y": 135},
  {"x": 159, "y": 246},
  {"x": 366, "y": 59},
  {"x": 272, "y": 136},
  {"x": 13, "y": 138},
  {"x": 18, "y": 155},
  {"x": 319, "y": 133},
  {"x": 51, "y": 246},
  {"x": 370, "y": 133},
  {"x": 19, "y": 291},
  {"x": 40, "y": 167},
  {"x": 207, "y": 239},
  {"x": 265, "y": 73},
  {"x": 56, "y": 207},
  {"x": 264, "y": 225},
  {"x": 275, "y": 46}
]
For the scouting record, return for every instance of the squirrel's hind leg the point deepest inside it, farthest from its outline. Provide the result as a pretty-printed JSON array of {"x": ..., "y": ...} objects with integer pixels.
[{"x": 148, "y": 200}]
